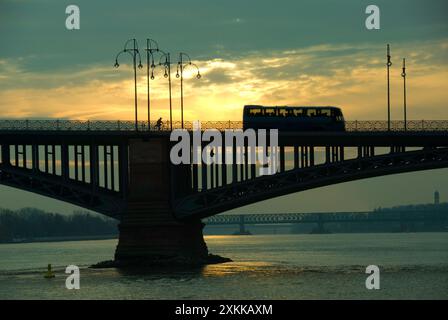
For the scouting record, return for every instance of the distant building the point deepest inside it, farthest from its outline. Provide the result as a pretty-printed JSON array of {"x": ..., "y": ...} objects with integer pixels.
[{"x": 436, "y": 197}]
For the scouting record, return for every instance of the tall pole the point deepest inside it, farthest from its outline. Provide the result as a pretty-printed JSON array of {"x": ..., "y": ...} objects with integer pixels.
[
  {"x": 403, "y": 74},
  {"x": 133, "y": 52},
  {"x": 147, "y": 81},
  {"x": 167, "y": 65},
  {"x": 181, "y": 66},
  {"x": 389, "y": 63},
  {"x": 182, "y": 91},
  {"x": 169, "y": 85},
  {"x": 150, "y": 64},
  {"x": 135, "y": 85}
]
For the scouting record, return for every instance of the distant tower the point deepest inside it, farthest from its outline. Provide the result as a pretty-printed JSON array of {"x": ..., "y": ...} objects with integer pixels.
[{"x": 436, "y": 197}]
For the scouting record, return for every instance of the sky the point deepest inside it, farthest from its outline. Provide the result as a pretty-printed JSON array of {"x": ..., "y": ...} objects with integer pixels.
[{"x": 309, "y": 52}]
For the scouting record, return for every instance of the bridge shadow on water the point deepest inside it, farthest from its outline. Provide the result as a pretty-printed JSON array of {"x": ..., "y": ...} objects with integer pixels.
[
  {"x": 190, "y": 272},
  {"x": 162, "y": 272}
]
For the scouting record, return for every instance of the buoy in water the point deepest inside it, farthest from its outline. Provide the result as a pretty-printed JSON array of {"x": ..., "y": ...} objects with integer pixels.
[{"x": 49, "y": 274}]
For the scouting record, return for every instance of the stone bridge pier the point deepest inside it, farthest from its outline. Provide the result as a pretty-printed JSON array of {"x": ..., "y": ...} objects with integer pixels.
[{"x": 149, "y": 232}]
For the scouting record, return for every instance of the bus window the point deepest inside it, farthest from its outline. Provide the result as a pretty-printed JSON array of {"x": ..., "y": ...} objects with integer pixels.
[
  {"x": 282, "y": 112},
  {"x": 325, "y": 112},
  {"x": 255, "y": 112},
  {"x": 311, "y": 112},
  {"x": 298, "y": 112},
  {"x": 269, "y": 112}
]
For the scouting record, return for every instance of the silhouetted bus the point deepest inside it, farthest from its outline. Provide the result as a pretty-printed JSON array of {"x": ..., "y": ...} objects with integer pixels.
[{"x": 293, "y": 118}]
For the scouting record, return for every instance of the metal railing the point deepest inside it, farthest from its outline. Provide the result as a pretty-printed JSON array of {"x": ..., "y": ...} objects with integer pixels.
[
  {"x": 397, "y": 125},
  {"x": 129, "y": 125}
]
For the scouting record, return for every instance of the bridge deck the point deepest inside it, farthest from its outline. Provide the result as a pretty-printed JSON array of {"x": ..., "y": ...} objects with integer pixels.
[
  {"x": 87, "y": 167},
  {"x": 127, "y": 125},
  {"x": 356, "y": 138}
]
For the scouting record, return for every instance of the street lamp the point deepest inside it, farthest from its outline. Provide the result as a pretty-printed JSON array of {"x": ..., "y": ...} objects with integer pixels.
[
  {"x": 150, "y": 64},
  {"x": 389, "y": 64},
  {"x": 181, "y": 65},
  {"x": 167, "y": 74},
  {"x": 403, "y": 74},
  {"x": 133, "y": 51}
]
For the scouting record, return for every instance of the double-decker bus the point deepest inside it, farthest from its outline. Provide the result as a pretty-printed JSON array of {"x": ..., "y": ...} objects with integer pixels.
[{"x": 293, "y": 118}]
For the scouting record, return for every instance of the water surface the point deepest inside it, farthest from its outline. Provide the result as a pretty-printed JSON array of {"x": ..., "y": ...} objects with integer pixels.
[{"x": 332, "y": 266}]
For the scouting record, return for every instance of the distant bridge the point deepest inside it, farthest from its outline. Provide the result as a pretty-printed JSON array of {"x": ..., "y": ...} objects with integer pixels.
[
  {"x": 108, "y": 167},
  {"x": 326, "y": 217},
  {"x": 321, "y": 218}
]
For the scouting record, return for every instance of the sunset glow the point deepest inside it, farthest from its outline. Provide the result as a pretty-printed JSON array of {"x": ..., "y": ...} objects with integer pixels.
[{"x": 354, "y": 81}]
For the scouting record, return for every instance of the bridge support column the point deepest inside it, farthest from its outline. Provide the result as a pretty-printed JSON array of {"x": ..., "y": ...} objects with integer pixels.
[
  {"x": 159, "y": 239},
  {"x": 320, "y": 229},
  {"x": 149, "y": 232},
  {"x": 243, "y": 230}
]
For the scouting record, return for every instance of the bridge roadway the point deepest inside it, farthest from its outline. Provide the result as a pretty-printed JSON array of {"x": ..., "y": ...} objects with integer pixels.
[
  {"x": 348, "y": 138},
  {"x": 128, "y": 175}
]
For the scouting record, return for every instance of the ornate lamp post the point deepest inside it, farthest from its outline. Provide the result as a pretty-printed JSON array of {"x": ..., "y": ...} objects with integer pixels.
[
  {"x": 181, "y": 65},
  {"x": 150, "y": 64},
  {"x": 389, "y": 64},
  {"x": 167, "y": 74},
  {"x": 134, "y": 52},
  {"x": 403, "y": 74}
]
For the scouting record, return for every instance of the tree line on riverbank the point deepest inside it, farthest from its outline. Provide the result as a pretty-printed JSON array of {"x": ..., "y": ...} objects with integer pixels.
[{"x": 31, "y": 223}]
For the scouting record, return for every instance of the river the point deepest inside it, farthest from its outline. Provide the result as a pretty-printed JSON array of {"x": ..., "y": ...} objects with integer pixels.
[{"x": 319, "y": 266}]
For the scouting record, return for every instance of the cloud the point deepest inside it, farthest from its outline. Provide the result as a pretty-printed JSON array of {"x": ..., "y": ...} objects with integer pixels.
[{"x": 345, "y": 75}]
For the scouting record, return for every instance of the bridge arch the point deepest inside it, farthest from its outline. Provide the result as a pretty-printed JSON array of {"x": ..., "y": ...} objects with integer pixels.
[{"x": 229, "y": 197}]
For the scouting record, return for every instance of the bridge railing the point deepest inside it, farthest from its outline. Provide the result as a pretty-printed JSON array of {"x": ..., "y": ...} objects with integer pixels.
[
  {"x": 129, "y": 125},
  {"x": 397, "y": 125}
]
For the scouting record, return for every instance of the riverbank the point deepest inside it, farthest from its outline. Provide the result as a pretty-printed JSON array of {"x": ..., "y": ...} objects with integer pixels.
[{"x": 62, "y": 239}]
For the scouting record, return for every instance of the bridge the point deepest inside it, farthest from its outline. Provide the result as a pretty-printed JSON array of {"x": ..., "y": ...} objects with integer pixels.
[
  {"x": 403, "y": 217},
  {"x": 109, "y": 167}
]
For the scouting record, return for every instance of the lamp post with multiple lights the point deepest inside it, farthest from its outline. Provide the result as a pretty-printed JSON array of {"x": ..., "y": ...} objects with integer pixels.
[
  {"x": 134, "y": 52},
  {"x": 167, "y": 65},
  {"x": 150, "y": 64},
  {"x": 403, "y": 74},
  {"x": 389, "y": 64},
  {"x": 181, "y": 65},
  {"x": 165, "y": 61}
]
